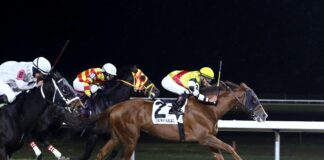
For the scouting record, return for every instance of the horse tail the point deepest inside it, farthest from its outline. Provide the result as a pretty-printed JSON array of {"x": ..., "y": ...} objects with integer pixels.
[{"x": 89, "y": 122}]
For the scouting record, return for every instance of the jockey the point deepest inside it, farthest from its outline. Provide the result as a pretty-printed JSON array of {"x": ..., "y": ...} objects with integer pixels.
[
  {"x": 184, "y": 82},
  {"x": 19, "y": 76},
  {"x": 90, "y": 80}
]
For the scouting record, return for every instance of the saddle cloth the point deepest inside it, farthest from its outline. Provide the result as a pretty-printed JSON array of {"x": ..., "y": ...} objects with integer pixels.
[{"x": 160, "y": 113}]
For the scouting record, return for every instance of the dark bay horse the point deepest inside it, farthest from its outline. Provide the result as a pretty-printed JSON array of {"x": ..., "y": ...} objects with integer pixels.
[
  {"x": 127, "y": 119},
  {"x": 18, "y": 118},
  {"x": 130, "y": 81}
]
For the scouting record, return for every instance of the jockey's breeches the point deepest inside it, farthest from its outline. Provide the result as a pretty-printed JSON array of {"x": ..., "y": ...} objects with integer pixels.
[
  {"x": 169, "y": 84},
  {"x": 82, "y": 87},
  {"x": 5, "y": 89}
]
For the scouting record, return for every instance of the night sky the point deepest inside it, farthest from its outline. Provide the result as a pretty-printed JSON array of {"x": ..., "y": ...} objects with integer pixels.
[{"x": 275, "y": 46}]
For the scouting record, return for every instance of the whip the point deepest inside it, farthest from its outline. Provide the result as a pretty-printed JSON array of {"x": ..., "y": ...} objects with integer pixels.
[
  {"x": 219, "y": 73},
  {"x": 61, "y": 53}
]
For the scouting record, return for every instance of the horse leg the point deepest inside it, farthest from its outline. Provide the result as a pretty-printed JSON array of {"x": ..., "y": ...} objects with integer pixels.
[
  {"x": 128, "y": 138},
  {"x": 90, "y": 145},
  {"x": 109, "y": 146},
  {"x": 129, "y": 143},
  {"x": 217, "y": 153},
  {"x": 112, "y": 155},
  {"x": 128, "y": 151},
  {"x": 3, "y": 153},
  {"x": 37, "y": 151},
  {"x": 216, "y": 143},
  {"x": 43, "y": 138}
]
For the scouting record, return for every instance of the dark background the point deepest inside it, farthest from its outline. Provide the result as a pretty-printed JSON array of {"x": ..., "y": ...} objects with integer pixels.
[{"x": 275, "y": 46}]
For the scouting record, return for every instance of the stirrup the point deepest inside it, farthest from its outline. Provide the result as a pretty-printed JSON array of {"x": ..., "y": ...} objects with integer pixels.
[{"x": 175, "y": 110}]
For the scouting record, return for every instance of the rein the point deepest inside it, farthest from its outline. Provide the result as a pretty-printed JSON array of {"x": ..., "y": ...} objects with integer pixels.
[
  {"x": 67, "y": 101},
  {"x": 236, "y": 97}
]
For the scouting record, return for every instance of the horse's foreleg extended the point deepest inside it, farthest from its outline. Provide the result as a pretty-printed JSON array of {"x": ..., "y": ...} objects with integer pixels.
[{"x": 216, "y": 143}]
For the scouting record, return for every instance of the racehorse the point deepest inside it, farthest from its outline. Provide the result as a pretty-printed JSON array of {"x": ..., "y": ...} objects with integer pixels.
[
  {"x": 130, "y": 80},
  {"x": 127, "y": 119},
  {"x": 18, "y": 118}
]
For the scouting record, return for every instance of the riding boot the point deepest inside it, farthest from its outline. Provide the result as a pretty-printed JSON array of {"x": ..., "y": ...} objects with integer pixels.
[
  {"x": 3, "y": 100},
  {"x": 176, "y": 107}
]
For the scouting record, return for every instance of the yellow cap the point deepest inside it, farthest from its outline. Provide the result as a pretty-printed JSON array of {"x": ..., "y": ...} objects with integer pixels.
[{"x": 207, "y": 72}]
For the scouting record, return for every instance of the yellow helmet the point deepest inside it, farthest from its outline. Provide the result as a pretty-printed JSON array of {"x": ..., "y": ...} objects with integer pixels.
[{"x": 207, "y": 72}]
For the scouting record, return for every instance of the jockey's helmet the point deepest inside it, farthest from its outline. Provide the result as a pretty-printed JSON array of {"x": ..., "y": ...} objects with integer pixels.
[
  {"x": 207, "y": 72},
  {"x": 110, "y": 69},
  {"x": 42, "y": 65}
]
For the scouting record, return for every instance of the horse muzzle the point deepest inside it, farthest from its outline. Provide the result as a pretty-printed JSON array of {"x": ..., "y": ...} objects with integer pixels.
[{"x": 259, "y": 114}]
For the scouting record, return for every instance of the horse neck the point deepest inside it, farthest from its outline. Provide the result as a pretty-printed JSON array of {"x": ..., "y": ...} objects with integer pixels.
[
  {"x": 225, "y": 104},
  {"x": 33, "y": 107}
]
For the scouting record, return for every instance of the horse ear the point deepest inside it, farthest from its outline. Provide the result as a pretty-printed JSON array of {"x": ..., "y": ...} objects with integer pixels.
[
  {"x": 244, "y": 85},
  {"x": 56, "y": 75},
  {"x": 134, "y": 68}
]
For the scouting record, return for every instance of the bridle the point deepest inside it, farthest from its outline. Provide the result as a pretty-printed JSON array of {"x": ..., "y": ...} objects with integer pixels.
[
  {"x": 138, "y": 83},
  {"x": 238, "y": 98},
  {"x": 243, "y": 102},
  {"x": 66, "y": 100},
  {"x": 246, "y": 101}
]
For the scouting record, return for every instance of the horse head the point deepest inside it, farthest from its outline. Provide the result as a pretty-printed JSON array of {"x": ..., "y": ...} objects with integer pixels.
[
  {"x": 248, "y": 100},
  {"x": 239, "y": 94},
  {"x": 141, "y": 83},
  {"x": 63, "y": 94}
]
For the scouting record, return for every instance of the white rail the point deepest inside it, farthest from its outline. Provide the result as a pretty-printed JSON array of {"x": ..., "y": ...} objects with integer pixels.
[
  {"x": 300, "y": 101},
  {"x": 271, "y": 126}
]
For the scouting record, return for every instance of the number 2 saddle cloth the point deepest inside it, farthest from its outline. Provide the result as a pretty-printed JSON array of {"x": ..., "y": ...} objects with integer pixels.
[{"x": 160, "y": 112}]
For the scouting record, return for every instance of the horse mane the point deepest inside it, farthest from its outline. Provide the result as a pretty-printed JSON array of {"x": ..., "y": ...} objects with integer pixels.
[
  {"x": 235, "y": 86},
  {"x": 223, "y": 86},
  {"x": 232, "y": 85}
]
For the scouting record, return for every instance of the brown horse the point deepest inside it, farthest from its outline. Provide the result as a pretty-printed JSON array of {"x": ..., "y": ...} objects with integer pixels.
[{"x": 127, "y": 119}]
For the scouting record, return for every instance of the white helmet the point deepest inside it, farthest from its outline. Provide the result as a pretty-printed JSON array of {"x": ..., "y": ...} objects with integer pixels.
[
  {"x": 42, "y": 65},
  {"x": 110, "y": 69}
]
